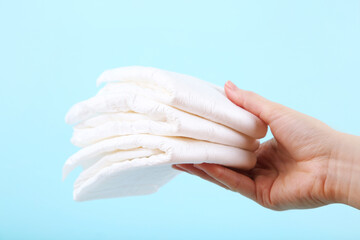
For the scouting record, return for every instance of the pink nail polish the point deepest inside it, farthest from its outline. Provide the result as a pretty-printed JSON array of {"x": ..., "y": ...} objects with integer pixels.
[
  {"x": 176, "y": 167},
  {"x": 230, "y": 85},
  {"x": 197, "y": 165}
]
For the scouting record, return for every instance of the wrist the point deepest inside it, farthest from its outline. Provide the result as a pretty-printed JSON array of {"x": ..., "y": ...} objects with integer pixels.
[{"x": 343, "y": 177}]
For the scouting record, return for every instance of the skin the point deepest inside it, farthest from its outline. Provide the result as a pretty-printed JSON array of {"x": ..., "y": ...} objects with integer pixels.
[{"x": 306, "y": 165}]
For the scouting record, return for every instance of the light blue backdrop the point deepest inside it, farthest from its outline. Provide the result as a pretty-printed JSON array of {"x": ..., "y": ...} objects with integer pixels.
[{"x": 304, "y": 54}]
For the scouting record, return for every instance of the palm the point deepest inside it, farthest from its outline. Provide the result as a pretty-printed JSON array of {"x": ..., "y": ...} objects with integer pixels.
[
  {"x": 290, "y": 168},
  {"x": 283, "y": 182}
]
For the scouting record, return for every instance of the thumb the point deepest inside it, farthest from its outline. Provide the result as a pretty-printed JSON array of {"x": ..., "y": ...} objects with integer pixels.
[{"x": 265, "y": 109}]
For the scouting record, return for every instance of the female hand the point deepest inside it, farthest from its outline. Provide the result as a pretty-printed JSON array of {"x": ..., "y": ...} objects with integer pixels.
[{"x": 307, "y": 164}]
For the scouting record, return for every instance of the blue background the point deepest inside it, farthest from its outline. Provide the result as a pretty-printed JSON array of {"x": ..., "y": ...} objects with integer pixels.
[{"x": 304, "y": 54}]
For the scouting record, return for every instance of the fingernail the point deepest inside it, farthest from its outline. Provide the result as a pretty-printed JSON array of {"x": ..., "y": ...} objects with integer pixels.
[
  {"x": 230, "y": 85},
  {"x": 197, "y": 166},
  {"x": 177, "y": 167}
]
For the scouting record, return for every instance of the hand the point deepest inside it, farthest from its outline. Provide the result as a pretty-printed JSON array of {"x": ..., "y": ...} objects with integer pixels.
[{"x": 307, "y": 164}]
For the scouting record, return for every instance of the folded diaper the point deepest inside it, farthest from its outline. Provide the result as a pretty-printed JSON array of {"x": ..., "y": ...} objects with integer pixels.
[
  {"x": 144, "y": 120},
  {"x": 106, "y": 116},
  {"x": 183, "y": 92},
  {"x": 148, "y": 158}
]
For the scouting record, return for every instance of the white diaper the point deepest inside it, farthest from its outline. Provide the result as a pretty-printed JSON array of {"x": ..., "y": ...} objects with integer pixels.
[
  {"x": 106, "y": 162},
  {"x": 143, "y": 121},
  {"x": 184, "y": 92},
  {"x": 106, "y": 116}
]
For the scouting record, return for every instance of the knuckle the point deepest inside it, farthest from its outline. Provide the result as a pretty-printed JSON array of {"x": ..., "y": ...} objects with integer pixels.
[
  {"x": 250, "y": 94},
  {"x": 218, "y": 172}
]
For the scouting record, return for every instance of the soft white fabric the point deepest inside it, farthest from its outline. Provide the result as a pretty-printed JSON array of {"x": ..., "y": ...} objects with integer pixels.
[
  {"x": 143, "y": 121},
  {"x": 184, "y": 92},
  {"x": 128, "y": 113},
  {"x": 140, "y": 164}
]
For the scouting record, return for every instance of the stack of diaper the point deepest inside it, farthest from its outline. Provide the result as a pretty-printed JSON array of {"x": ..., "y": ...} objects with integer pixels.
[{"x": 146, "y": 119}]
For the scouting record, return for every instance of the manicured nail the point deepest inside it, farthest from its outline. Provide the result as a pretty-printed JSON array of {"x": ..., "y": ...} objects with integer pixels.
[
  {"x": 177, "y": 168},
  {"x": 198, "y": 166},
  {"x": 230, "y": 85}
]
